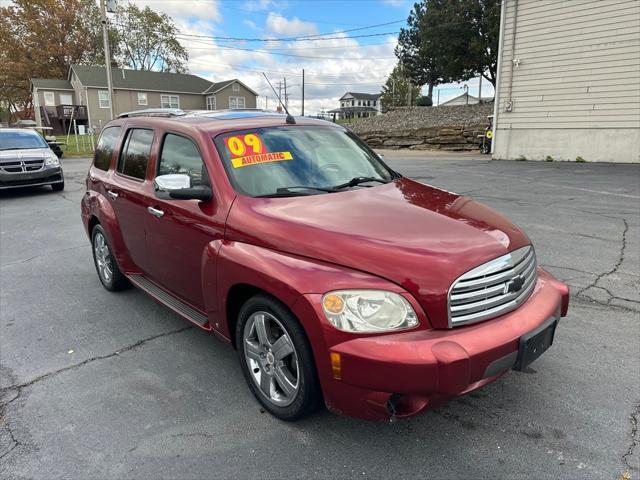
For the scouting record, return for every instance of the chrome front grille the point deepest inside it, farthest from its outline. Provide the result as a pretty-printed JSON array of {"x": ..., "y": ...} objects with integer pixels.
[
  {"x": 492, "y": 289},
  {"x": 21, "y": 166}
]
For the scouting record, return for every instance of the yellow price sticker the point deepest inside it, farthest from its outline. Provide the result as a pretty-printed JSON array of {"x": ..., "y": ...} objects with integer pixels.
[{"x": 260, "y": 158}]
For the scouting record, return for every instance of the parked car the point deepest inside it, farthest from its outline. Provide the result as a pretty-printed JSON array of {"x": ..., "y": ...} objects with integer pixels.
[
  {"x": 27, "y": 160},
  {"x": 337, "y": 279}
]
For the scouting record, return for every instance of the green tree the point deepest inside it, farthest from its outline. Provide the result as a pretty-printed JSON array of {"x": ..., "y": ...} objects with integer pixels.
[
  {"x": 146, "y": 40},
  {"x": 399, "y": 91},
  {"x": 450, "y": 40}
]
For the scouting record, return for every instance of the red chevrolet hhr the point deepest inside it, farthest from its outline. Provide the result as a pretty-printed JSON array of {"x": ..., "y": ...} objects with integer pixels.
[{"x": 337, "y": 279}]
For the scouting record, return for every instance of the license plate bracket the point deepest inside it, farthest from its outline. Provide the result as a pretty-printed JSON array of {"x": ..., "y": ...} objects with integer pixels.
[{"x": 535, "y": 343}]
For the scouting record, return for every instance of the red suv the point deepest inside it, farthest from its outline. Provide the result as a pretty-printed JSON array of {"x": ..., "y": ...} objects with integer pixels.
[{"x": 337, "y": 279}]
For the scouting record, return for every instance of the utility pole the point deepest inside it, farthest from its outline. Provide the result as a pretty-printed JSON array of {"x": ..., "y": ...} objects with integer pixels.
[
  {"x": 303, "y": 92},
  {"x": 278, "y": 107},
  {"x": 286, "y": 97},
  {"x": 107, "y": 53},
  {"x": 480, "y": 90}
]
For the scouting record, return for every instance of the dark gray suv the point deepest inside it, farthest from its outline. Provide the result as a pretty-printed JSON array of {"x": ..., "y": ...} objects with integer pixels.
[{"x": 26, "y": 160}]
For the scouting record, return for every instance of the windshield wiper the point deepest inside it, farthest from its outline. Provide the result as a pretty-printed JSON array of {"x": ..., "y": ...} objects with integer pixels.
[
  {"x": 303, "y": 187},
  {"x": 357, "y": 181},
  {"x": 21, "y": 148},
  {"x": 284, "y": 193}
]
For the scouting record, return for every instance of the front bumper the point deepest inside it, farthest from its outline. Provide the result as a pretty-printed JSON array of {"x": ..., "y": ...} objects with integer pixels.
[
  {"x": 403, "y": 374},
  {"x": 46, "y": 176}
]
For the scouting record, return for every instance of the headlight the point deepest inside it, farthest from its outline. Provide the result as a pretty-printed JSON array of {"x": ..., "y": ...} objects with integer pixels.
[
  {"x": 368, "y": 311},
  {"x": 51, "y": 160}
]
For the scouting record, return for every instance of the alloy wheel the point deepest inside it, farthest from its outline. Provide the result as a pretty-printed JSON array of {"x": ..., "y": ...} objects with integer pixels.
[
  {"x": 271, "y": 358},
  {"x": 103, "y": 258}
]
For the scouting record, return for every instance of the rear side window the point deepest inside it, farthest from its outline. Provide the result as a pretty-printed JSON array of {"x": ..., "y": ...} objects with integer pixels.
[
  {"x": 135, "y": 154},
  {"x": 106, "y": 146},
  {"x": 180, "y": 155}
]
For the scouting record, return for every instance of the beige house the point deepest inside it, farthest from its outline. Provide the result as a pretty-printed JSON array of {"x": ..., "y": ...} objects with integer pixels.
[
  {"x": 569, "y": 80},
  {"x": 84, "y": 96}
]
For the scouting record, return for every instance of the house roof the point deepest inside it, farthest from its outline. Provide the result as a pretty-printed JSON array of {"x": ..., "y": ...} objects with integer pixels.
[
  {"x": 51, "y": 84},
  {"x": 471, "y": 98},
  {"x": 217, "y": 86},
  {"x": 362, "y": 96},
  {"x": 95, "y": 76}
]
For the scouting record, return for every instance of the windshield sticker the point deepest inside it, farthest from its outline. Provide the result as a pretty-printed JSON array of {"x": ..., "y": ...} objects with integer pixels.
[
  {"x": 241, "y": 145},
  {"x": 250, "y": 150},
  {"x": 260, "y": 158}
]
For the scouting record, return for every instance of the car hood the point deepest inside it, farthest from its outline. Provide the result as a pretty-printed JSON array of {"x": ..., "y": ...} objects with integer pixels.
[
  {"x": 24, "y": 154},
  {"x": 414, "y": 235}
]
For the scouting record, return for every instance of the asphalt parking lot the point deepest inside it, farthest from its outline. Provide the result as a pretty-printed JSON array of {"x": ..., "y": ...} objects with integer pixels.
[{"x": 103, "y": 385}]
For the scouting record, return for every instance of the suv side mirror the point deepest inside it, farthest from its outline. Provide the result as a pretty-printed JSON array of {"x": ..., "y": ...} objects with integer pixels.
[{"x": 178, "y": 186}]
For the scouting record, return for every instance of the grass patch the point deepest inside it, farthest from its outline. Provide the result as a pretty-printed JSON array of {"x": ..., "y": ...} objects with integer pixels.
[{"x": 82, "y": 149}]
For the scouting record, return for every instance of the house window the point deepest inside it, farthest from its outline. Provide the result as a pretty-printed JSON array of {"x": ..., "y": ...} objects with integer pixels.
[
  {"x": 66, "y": 99},
  {"x": 374, "y": 103},
  {"x": 103, "y": 99},
  {"x": 236, "y": 87},
  {"x": 142, "y": 98},
  {"x": 169, "y": 101},
  {"x": 236, "y": 102},
  {"x": 211, "y": 102},
  {"x": 49, "y": 99},
  {"x": 353, "y": 102}
]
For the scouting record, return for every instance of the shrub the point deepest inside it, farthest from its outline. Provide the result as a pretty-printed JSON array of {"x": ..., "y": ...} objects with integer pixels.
[
  {"x": 579, "y": 159},
  {"x": 424, "y": 101},
  {"x": 521, "y": 158},
  {"x": 549, "y": 158}
]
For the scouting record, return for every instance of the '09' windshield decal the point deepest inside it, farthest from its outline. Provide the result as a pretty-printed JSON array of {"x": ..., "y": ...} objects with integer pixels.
[{"x": 249, "y": 149}]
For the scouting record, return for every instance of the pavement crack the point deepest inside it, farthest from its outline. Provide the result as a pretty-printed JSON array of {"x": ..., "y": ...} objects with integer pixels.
[
  {"x": 45, "y": 376},
  {"x": 616, "y": 266},
  {"x": 194, "y": 434},
  {"x": 633, "y": 419}
]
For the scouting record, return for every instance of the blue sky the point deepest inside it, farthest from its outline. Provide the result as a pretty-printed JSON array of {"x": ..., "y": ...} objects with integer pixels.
[{"x": 348, "y": 61}]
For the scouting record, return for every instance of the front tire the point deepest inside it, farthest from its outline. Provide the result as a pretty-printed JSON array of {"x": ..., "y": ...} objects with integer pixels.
[
  {"x": 276, "y": 359},
  {"x": 57, "y": 187},
  {"x": 106, "y": 266}
]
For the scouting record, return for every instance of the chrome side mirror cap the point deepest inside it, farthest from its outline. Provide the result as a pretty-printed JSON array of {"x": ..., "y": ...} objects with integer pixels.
[{"x": 171, "y": 181}]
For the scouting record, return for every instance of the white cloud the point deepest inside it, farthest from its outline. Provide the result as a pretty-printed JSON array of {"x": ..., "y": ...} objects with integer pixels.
[
  {"x": 280, "y": 25},
  {"x": 261, "y": 5},
  {"x": 252, "y": 25},
  {"x": 185, "y": 9},
  {"x": 395, "y": 3}
]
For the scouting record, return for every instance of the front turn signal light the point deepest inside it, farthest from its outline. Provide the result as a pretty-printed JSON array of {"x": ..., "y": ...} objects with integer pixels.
[{"x": 336, "y": 366}]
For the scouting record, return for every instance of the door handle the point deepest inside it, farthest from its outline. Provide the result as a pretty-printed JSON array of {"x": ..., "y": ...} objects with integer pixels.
[
  {"x": 112, "y": 194},
  {"x": 155, "y": 212}
]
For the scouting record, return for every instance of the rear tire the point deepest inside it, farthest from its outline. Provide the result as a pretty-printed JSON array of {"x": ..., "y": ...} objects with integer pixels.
[
  {"x": 106, "y": 266},
  {"x": 276, "y": 359}
]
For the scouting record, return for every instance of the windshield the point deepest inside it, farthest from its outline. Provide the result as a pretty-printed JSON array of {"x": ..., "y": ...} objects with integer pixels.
[
  {"x": 12, "y": 140},
  {"x": 272, "y": 160}
]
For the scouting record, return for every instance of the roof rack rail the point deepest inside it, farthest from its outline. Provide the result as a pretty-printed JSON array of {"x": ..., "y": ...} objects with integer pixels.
[{"x": 154, "y": 112}]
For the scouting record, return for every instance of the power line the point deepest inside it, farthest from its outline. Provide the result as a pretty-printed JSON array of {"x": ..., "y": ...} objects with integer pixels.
[
  {"x": 271, "y": 52},
  {"x": 281, "y": 72},
  {"x": 293, "y": 39}
]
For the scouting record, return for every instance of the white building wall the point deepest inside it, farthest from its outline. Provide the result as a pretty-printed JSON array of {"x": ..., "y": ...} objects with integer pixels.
[{"x": 570, "y": 81}]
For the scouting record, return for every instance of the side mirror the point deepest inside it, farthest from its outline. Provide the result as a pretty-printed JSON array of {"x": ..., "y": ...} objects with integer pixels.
[{"x": 178, "y": 186}]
